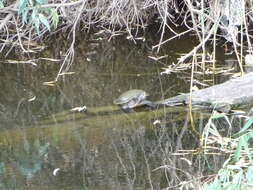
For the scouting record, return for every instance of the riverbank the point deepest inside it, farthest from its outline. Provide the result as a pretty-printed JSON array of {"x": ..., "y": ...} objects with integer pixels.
[{"x": 212, "y": 22}]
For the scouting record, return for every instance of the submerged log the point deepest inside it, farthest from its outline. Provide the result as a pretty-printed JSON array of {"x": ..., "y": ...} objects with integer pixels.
[{"x": 231, "y": 94}]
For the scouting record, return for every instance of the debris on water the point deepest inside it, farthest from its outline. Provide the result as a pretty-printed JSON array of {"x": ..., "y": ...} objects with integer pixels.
[
  {"x": 32, "y": 62},
  {"x": 175, "y": 68},
  {"x": 166, "y": 71},
  {"x": 56, "y": 171},
  {"x": 32, "y": 99},
  {"x": 50, "y": 83},
  {"x": 156, "y": 122},
  {"x": 158, "y": 58},
  {"x": 67, "y": 73},
  {"x": 79, "y": 109}
]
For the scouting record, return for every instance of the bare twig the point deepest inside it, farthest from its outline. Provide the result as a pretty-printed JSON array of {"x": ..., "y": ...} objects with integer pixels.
[
  {"x": 195, "y": 49},
  {"x": 70, "y": 56},
  {"x": 8, "y": 17}
]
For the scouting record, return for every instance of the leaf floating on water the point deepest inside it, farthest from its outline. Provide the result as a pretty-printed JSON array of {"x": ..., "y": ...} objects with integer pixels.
[
  {"x": 31, "y": 99},
  {"x": 67, "y": 73},
  {"x": 56, "y": 171},
  {"x": 50, "y": 83},
  {"x": 156, "y": 122},
  {"x": 50, "y": 59},
  {"x": 79, "y": 109},
  {"x": 157, "y": 58}
]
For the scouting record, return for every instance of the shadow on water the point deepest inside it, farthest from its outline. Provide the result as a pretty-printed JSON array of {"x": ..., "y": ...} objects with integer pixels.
[{"x": 45, "y": 146}]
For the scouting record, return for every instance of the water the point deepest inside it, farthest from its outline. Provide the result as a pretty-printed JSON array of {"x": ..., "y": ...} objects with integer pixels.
[{"x": 46, "y": 146}]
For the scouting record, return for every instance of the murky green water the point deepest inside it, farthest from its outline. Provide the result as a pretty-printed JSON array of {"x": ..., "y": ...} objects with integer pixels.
[{"x": 46, "y": 146}]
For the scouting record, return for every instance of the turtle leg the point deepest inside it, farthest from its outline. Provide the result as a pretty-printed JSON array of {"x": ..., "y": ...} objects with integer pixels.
[
  {"x": 127, "y": 109},
  {"x": 149, "y": 104}
]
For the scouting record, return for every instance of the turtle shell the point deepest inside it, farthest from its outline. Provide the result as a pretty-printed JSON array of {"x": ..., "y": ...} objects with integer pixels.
[{"x": 133, "y": 97}]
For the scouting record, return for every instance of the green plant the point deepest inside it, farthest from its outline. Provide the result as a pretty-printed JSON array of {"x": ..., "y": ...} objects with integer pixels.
[
  {"x": 2, "y": 3},
  {"x": 32, "y": 12},
  {"x": 232, "y": 177},
  {"x": 237, "y": 171}
]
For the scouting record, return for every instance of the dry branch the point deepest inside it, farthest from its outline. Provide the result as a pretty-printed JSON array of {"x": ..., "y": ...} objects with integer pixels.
[{"x": 9, "y": 16}]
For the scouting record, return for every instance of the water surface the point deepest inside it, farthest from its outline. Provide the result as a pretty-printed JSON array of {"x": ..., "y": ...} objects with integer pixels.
[{"x": 46, "y": 146}]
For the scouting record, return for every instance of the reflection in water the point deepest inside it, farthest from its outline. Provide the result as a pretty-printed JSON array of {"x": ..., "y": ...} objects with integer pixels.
[
  {"x": 30, "y": 161},
  {"x": 101, "y": 148}
]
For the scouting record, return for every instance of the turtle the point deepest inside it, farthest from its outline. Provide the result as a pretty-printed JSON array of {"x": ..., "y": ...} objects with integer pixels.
[{"x": 133, "y": 98}]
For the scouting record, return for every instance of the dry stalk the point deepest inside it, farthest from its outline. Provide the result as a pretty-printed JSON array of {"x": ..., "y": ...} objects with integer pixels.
[
  {"x": 164, "y": 14},
  {"x": 126, "y": 15},
  {"x": 193, "y": 19},
  {"x": 195, "y": 49},
  {"x": 70, "y": 55},
  {"x": 8, "y": 17}
]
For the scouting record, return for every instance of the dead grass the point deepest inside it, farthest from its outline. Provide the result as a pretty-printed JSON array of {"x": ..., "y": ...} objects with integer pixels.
[{"x": 207, "y": 19}]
